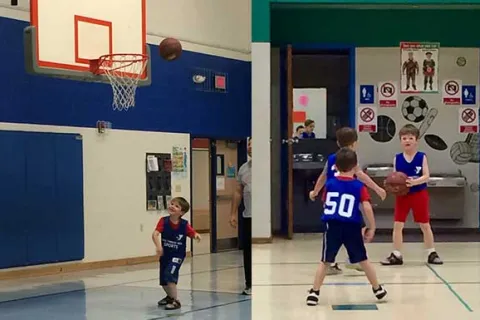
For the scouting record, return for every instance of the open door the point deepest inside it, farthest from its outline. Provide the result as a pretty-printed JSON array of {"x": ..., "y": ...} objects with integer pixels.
[
  {"x": 290, "y": 141},
  {"x": 201, "y": 209},
  {"x": 226, "y": 166}
]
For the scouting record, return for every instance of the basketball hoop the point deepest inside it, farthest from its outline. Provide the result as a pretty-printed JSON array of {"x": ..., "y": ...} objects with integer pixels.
[{"x": 124, "y": 72}]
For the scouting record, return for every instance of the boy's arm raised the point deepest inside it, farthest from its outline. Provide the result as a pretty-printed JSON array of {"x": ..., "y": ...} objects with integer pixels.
[
  {"x": 363, "y": 177},
  {"x": 320, "y": 183}
]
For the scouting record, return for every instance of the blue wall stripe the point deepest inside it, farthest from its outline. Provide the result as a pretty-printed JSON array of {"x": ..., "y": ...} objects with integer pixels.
[
  {"x": 41, "y": 191},
  {"x": 171, "y": 104}
]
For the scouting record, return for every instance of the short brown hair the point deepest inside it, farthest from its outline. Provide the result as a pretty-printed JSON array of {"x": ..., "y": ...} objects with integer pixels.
[
  {"x": 346, "y": 159},
  {"x": 308, "y": 122},
  {"x": 183, "y": 203},
  {"x": 409, "y": 129},
  {"x": 346, "y": 137}
]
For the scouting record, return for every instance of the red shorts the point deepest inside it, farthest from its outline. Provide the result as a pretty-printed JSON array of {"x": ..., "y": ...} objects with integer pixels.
[{"x": 418, "y": 202}]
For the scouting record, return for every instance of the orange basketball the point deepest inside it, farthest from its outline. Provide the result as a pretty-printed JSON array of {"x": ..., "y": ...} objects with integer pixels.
[
  {"x": 396, "y": 183},
  {"x": 170, "y": 49}
]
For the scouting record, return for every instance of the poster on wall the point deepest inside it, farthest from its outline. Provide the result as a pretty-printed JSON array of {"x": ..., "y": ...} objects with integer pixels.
[
  {"x": 451, "y": 92},
  {"x": 467, "y": 120},
  {"x": 311, "y": 103},
  {"x": 179, "y": 162},
  {"x": 367, "y": 119},
  {"x": 388, "y": 94},
  {"x": 419, "y": 67}
]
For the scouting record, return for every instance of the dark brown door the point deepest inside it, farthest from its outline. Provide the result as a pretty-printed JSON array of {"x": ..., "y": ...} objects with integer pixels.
[{"x": 290, "y": 134}]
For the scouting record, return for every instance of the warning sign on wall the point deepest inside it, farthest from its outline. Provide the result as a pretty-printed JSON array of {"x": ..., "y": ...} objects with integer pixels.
[
  {"x": 468, "y": 120},
  {"x": 367, "y": 119},
  {"x": 387, "y": 94},
  {"x": 451, "y": 93}
]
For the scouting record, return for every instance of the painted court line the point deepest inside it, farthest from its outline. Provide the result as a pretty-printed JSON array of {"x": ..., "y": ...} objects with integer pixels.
[
  {"x": 447, "y": 284},
  {"x": 104, "y": 287},
  {"x": 355, "y": 307},
  {"x": 353, "y": 284},
  {"x": 410, "y": 263},
  {"x": 172, "y": 315}
]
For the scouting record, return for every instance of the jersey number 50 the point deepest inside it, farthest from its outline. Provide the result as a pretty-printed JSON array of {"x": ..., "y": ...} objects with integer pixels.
[{"x": 341, "y": 204}]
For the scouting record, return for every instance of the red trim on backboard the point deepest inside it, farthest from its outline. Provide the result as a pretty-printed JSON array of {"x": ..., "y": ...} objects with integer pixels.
[
  {"x": 144, "y": 34},
  {"x": 50, "y": 64},
  {"x": 98, "y": 22}
]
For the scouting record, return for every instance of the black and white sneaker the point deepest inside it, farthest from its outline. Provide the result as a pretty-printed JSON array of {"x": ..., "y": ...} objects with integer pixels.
[
  {"x": 380, "y": 293},
  {"x": 174, "y": 305},
  {"x": 165, "y": 301},
  {"x": 312, "y": 298},
  {"x": 392, "y": 260},
  {"x": 247, "y": 291},
  {"x": 433, "y": 258}
]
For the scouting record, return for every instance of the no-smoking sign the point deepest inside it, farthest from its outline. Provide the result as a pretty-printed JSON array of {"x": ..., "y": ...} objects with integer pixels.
[
  {"x": 387, "y": 94},
  {"x": 367, "y": 119},
  {"x": 468, "y": 120},
  {"x": 451, "y": 93}
]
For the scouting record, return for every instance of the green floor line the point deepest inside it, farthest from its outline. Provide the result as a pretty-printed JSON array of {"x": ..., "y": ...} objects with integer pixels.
[{"x": 445, "y": 282}]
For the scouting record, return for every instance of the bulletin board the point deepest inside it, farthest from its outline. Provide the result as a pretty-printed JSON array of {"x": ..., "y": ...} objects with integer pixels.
[{"x": 158, "y": 168}]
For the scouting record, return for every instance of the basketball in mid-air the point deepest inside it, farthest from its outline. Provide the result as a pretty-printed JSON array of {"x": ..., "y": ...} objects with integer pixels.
[
  {"x": 396, "y": 183},
  {"x": 170, "y": 49}
]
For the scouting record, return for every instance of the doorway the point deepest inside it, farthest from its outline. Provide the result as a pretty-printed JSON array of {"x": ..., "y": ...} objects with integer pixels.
[
  {"x": 331, "y": 70},
  {"x": 201, "y": 211},
  {"x": 226, "y": 182},
  {"x": 214, "y": 180}
]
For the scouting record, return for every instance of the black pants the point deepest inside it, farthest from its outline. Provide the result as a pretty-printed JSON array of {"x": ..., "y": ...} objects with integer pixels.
[{"x": 247, "y": 250}]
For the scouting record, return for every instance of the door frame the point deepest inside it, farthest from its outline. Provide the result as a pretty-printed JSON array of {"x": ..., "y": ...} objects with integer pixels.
[
  {"x": 241, "y": 159},
  {"x": 212, "y": 151},
  {"x": 286, "y": 107}
]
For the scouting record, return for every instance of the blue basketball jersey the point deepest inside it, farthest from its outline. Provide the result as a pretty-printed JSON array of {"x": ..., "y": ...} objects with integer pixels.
[
  {"x": 174, "y": 241},
  {"x": 342, "y": 200},
  {"x": 331, "y": 170},
  {"x": 413, "y": 169}
]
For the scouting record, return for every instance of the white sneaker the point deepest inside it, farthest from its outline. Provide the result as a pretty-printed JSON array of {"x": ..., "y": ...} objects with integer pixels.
[
  {"x": 333, "y": 269},
  {"x": 247, "y": 292},
  {"x": 353, "y": 266}
]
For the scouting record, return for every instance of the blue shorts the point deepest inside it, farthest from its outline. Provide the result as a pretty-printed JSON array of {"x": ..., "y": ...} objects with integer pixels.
[
  {"x": 169, "y": 268},
  {"x": 340, "y": 233},
  {"x": 324, "y": 226}
]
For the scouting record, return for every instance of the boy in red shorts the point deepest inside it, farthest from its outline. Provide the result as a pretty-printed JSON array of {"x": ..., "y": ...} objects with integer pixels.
[{"x": 415, "y": 165}]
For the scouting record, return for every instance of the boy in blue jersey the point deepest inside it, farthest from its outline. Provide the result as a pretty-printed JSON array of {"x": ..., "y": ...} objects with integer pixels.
[
  {"x": 343, "y": 197},
  {"x": 415, "y": 165},
  {"x": 346, "y": 137},
  {"x": 172, "y": 249}
]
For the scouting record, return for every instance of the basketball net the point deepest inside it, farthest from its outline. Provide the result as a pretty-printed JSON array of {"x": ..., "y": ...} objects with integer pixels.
[{"x": 124, "y": 72}]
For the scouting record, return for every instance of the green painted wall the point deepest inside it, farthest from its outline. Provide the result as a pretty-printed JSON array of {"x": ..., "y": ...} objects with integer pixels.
[
  {"x": 376, "y": 28},
  {"x": 260, "y": 20}
]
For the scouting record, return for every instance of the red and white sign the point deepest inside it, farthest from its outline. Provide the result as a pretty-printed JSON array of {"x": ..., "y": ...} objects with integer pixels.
[
  {"x": 388, "y": 94},
  {"x": 468, "y": 120},
  {"x": 452, "y": 92},
  {"x": 367, "y": 119}
]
